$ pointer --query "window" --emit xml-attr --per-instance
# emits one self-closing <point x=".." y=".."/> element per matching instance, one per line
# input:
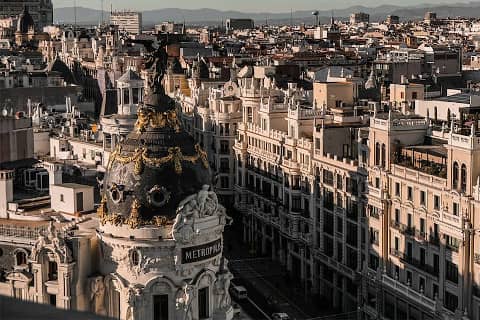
<point x="21" y="258"/>
<point x="160" y="307"/>
<point x="422" y="257"/>
<point x="135" y="92"/>
<point x="414" y="95"/>
<point x="126" y="96"/>
<point x="374" y="236"/>
<point x="224" y="147"/>
<point x="436" y="264"/>
<point x="373" y="262"/>
<point x="435" y="290"/>
<point x="377" y="154"/>
<point x="451" y="301"/>
<point x="455" y="175"/>
<point x="409" y="253"/>
<point x="383" y="156"/>
<point x="452" y="243"/>
<point x="339" y="225"/>
<point x="456" y="209"/>
<point x="463" y="178"/>
<point x="397" y="244"/>
<point x="409" y="220"/>
<point x="436" y="202"/>
<point x="62" y="198"/>
<point x="339" y="252"/>
<point x="422" y="225"/>
<point x="410" y="193"/>
<point x="422" y="198"/>
<point x="451" y="271"/>
<point x="328" y="177"/>
<point x="397" y="189"/>
<point x="224" y="183"/>
<point x="328" y="223"/>
<point x="52" y="271"/>
<point x="224" y="165"/>
<point x="397" y="215"/>
<point x="203" y="303"/>
<point x="409" y="278"/>
<point x="421" y="284"/>
<point x="339" y="182"/>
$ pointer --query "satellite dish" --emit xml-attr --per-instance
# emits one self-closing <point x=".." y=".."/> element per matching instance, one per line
<point x="4" y="112"/>
<point x="315" y="13"/>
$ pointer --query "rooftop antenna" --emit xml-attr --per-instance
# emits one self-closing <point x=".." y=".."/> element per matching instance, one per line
<point x="75" y="11"/>
<point x="291" y="17"/>
<point x="101" y="4"/>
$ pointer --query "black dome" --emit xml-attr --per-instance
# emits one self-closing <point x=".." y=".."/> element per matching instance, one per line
<point x="25" y="21"/>
<point x="154" y="168"/>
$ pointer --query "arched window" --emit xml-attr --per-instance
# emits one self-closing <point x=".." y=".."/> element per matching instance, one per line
<point x="463" y="178"/>
<point x="21" y="258"/>
<point x="377" y="154"/>
<point x="52" y="271"/>
<point x="383" y="155"/>
<point x="455" y="175"/>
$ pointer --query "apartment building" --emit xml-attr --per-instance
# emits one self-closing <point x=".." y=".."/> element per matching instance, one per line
<point x="422" y="204"/>
<point x="300" y="176"/>
<point x="127" y="21"/>
<point x="211" y="111"/>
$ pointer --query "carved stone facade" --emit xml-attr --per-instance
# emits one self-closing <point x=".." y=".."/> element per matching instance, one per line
<point x="147" y="270"/>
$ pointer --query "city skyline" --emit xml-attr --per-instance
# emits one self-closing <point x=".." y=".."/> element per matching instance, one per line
<point x="249" y="5"/>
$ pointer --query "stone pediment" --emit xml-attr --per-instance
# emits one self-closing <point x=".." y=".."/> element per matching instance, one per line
<point x="19" y="275"/>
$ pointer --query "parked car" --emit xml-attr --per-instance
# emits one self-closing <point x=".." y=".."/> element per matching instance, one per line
<point x="280" y="316"/>
<point x="238" y="292"/>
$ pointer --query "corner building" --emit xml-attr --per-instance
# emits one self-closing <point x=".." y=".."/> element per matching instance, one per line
<point x="423" y="192"/>
<point x="161" y="238"/>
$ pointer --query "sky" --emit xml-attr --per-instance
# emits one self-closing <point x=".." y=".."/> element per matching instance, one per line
<point x="243" y="5"/>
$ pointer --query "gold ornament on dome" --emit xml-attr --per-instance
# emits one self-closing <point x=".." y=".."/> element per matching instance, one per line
<point x="156" y="120"/>
<point x="102" y="210"/>
<point x="160" y="221"/>
<point x="134" y="220"/>
<point x="140" y="158"/>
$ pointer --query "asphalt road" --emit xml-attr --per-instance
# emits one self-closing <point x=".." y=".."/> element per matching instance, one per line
<point x="251" y="274"/>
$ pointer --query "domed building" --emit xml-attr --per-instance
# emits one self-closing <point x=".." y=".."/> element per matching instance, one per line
<point x="161" y="224"/>
<point x="25" y="28"/>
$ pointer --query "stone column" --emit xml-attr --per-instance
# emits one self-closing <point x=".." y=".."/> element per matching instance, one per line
<point x="6" y="191"/>
<point x="39" y="290"/>
<point x="65" y="283"/>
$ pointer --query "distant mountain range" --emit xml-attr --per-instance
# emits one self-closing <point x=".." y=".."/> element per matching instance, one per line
<point x="206" y="16"/>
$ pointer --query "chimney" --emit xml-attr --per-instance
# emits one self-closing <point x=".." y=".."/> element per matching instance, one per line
<point x="6" y="191"/>
<point x="54" y="174"/>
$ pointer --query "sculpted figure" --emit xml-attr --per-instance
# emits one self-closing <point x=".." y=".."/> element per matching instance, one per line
<point x="221" y="289"/>
<point x="184" y="300"/>
<point x="131" y="303"/>
<point x="97" y="296"/>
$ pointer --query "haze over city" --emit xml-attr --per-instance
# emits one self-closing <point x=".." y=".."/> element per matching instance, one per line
<point x="247" y="5"/>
